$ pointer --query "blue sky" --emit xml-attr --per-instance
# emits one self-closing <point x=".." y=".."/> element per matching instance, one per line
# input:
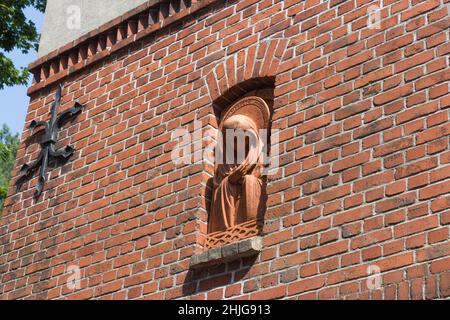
<point x="14" y="100"/>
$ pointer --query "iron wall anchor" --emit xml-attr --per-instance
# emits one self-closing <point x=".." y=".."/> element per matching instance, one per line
<point x="48" y="142"/>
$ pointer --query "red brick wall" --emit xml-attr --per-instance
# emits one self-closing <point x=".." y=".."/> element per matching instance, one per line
<point x="363" y="179"/>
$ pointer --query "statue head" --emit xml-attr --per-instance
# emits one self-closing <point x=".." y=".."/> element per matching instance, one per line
<point x="240" y="135"/>
<point x="240" y="128"/>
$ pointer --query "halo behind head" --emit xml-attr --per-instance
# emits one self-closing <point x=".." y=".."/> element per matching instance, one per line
<point x="253" y="107"/>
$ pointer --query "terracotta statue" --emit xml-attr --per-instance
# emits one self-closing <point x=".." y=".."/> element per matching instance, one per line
<point x="238" y="185"/>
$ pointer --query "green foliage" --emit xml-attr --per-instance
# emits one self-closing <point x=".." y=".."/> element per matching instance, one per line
<point x="16" y="32"/>
<point x="8" y="148"/>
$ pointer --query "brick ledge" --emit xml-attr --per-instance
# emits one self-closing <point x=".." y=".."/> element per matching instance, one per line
<point x="244" y="248"/>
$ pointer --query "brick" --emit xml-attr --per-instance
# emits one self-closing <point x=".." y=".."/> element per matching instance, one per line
<point x="434" y="190"/>
<point x="331" y="194"/>
<point x="332" y="142"/>
<point x="306" y="285"/>
<point x="272" y="293"/>
<point x="419" y="9"/>
<point x="396" y="202"/>
<point x="394" y="44"/>
<point x="393" y="94"/>
<point x="416" y="226"/>
<point x="393" y="147"/>
<point x="373" y="181"/>
<point x="351" y="161"/>
<point x="373" y="76"/>
<point x="433" y="134"/>
<point x="397" y="261"/>
<point x="433" y="79"/>
<point x="352" y="110"/>
<point x="329" y="250"/>
<point x="438" y="235"/>
<point x="415" y="168"/>
<point x="374" y="127"/>
<point x="440" y="265"/>
<point x="433" y="252"/>
<point x="416" y="112"/>
<point x="354" y="60"/>
<point x="413" y="61"/>
<point x="440" y="204"/>
<point x="371" y="238"/>
<point x="352" y="215"/>
<point x="346" y="274"/>
<point x="306" y="228"/>
<point x="314" y="124"/>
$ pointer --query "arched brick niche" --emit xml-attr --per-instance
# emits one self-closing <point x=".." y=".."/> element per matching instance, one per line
<point x="249" y="72"/>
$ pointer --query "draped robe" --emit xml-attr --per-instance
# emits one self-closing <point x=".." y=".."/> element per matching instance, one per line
<point x="235" y="203"/>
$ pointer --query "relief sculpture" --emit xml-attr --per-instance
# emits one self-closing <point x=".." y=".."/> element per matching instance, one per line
<point x="238" y="199"/>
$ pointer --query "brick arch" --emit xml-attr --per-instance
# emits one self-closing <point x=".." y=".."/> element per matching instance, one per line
<point x="255" y="65"/>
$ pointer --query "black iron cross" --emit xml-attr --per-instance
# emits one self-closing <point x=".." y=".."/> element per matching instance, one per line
<point x="48" y="142"/>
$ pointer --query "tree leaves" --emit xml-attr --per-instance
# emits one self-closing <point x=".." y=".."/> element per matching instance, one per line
<point x="3" y="152"/>
<point x="10" y="75"/>
<point x="16" y="32"/>
<point x="8" y="148"/>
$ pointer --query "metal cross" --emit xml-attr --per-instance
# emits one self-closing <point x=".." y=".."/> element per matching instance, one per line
<point x="48" y="142"/>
